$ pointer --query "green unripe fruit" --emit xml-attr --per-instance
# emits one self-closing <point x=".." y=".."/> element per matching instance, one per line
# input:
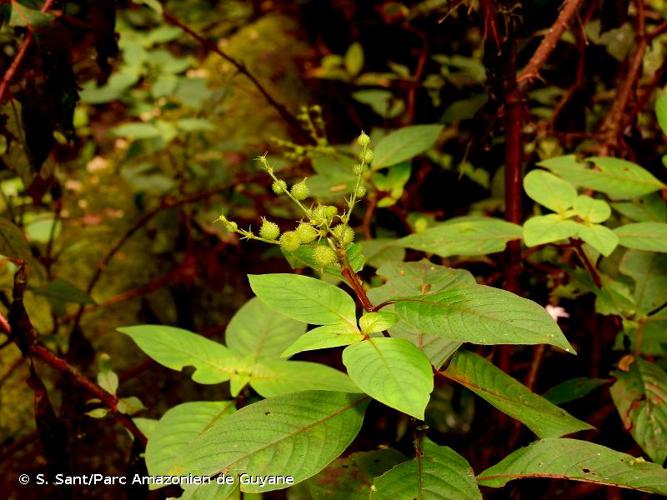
<point x="361" y="191"/>
<point x="343" y="233"/>
<point x="306" y="233"/>
<point x="231" y="226"/>
<point x="330" y="211"/>
<point x="363" y="140"/>
<point x="279" y="187"/>
<point x="359" y="169"/>
<point x="324" y="256"/>
<point x="290" y="241"/>
<point x="368" y="156"/>
<point x="300" y="190"/>
<point x="269" y="230"/>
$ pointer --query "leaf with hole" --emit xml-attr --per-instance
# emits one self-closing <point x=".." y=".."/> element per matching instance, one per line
<point x="578" y="461"/>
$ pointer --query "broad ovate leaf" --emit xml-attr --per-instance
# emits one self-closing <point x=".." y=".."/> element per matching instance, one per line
<point x="649" y="236"/>
<point x="304" y="299"/>
<point x="541" y="416"/>
<point x="176" y="348"/>
<point x="275" y="377"/>
<point x="482" y="315"/>
<point x="437" y="473"/>
<point x="176" y="430"/>
<point x="543" y="229"/>
<point x="591" y="210"/>
<point x="258" y="331"/>
<point x="640" y="395"/>
<point x="549" y="190"/>
<point x="404" y="144"/>
<point x="601" y="238"/>
<point x="297" y="435"/>
<point x="578" y="461"/>
<point x="471" y="236"/>
<point x="324" y="337"/>
<point x="392" y="371"/>
<point x="620" y="179"/>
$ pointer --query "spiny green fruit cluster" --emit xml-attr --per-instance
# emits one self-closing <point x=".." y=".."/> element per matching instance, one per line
<point x="306" y="232"/>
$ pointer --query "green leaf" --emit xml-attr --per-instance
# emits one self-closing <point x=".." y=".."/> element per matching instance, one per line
<point x="406" y="279"/>
<point x="275" y="377"/>
<point x="437" y="473"/>
<point x="620" y="179"/>
<point x="176" y="348"/>
<point x="640" y="396"/>
<point x="380" y="251"/>
<point x="137" y="131"/>
<point x="195" y="124"/>
<point x="482" y="315"/>
<point x="650" y="236"/>
<point x="260" y="332"/>
<point x="650" y="208"/>
<point x="350" y="478"/>
<point x="591" y="210"/>
<point x="175" y="431"/>
<point x="392" y="371"/>
<point x="64" y="291"/>
<point x="549" y="190"/>
<point x="661" y="111"/>
<point x="22" y="16"/>
<point x="547" y="229"/>
<point x="578" y="461"/>
<point x="601" y="238"/>
<point x="376" y="322"/>
<point x="573" y="389"/>
<point x="304" y="299"/>
<point x="511" y="397"/>
<point x="354" y="59"/>
<point x="324" y="337"/>
<point x="13" y="242"/>
<point x="404" y="144"/>
<point x="464" y="237"/>
<point x="649" y="272"/>
<point x="296" y="434"/>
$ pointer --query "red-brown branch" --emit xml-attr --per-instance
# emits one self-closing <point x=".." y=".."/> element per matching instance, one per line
<point x="39" y="351"/>
<point x="532" y="70"/>
<point x="20" y="55"/>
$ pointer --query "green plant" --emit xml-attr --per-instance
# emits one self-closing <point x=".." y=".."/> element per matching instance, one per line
<point x="411" y="333"/>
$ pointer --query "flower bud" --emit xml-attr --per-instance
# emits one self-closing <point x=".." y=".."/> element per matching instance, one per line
<point x="363" y="140"/>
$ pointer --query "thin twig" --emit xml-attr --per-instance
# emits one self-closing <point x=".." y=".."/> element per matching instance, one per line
<point x="20" y="55"/>
<point x="532" y="70"/>
<point x="578" y="246"/>
<point x="40" y="352"/>
<point x="288" y="117"/>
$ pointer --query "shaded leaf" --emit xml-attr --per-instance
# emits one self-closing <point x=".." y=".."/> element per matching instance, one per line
<point x="404" y="144"/>
<point x="511" y="397"/>
<point x="578" y="461"/>
<point x="650" y="236"/>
